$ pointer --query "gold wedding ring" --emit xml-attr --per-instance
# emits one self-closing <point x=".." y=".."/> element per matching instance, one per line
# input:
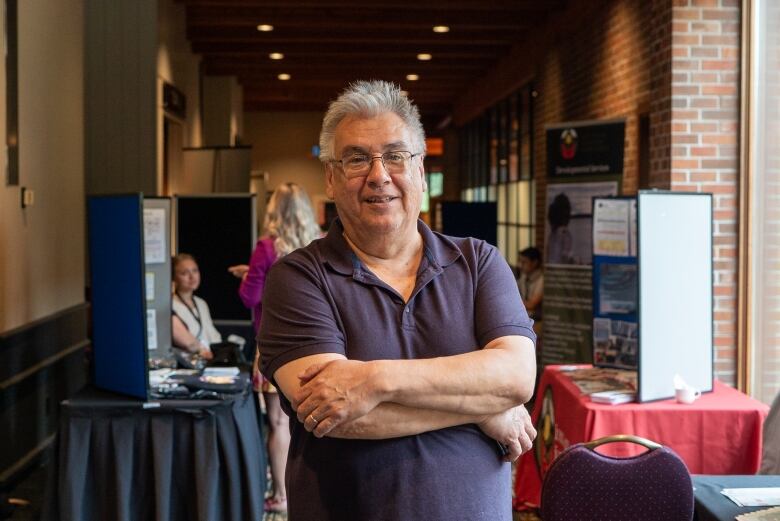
<point x="314" y="419"/>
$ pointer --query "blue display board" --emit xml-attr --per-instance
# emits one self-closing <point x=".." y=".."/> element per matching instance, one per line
<point x="116" y="260"/>
<point x="615" y="283"/>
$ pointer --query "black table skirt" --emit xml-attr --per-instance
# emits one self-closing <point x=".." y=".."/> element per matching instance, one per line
<point x="183" y="460"/>
<point x="711" y="505"/>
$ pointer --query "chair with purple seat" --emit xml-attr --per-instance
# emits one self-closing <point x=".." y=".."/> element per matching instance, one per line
<point x="583" y="484"/>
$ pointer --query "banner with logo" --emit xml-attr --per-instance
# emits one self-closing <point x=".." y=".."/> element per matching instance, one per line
<point x="584" y="160"/>
<point x="567" y="328"/>
<point x="585" y="148"/>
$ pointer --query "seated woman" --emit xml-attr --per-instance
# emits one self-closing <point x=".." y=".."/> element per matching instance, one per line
<point x="193" y="329"/>
<point x="531" y="285"/>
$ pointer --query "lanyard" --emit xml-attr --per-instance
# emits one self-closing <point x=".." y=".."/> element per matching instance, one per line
<point x="194" y="312"/>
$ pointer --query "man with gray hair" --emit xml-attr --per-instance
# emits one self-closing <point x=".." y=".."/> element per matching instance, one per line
<point x="405" y="355"/>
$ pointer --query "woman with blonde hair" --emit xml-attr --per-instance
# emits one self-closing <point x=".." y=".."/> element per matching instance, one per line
<point x="193" y="329"/>
<point x="289" y="224"/>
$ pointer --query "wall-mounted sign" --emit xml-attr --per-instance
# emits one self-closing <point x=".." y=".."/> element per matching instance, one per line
<point x="585" y="148"/>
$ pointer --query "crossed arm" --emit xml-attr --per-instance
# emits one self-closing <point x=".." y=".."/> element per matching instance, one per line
<point x="342" y="398"/>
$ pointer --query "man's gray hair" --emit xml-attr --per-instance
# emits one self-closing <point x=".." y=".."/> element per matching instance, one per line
<point x="368" y="99"/>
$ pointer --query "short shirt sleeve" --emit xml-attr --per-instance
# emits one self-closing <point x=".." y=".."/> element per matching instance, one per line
<point x="498" y="308"/>
<point x="299" y="318"/>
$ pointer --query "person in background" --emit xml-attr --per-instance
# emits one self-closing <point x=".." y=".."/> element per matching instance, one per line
<point x="405" y="355"/>
<point x="193" y="329"/>
<point x="531" y="281"/>
<point x="560" y="244"/>
<point x="289" y="224"/>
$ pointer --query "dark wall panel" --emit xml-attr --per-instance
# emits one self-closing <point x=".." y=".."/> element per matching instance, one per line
<point x="41" y="364"/>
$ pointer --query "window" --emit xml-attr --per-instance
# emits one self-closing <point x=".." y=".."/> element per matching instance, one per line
<point x="760" y="286"/>
<point x="496" y="165"/>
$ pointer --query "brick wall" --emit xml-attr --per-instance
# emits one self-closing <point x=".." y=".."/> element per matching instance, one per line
<point x="704" y="142"/>
<point x="599" y="70"/>
<point x="676" y="61"/>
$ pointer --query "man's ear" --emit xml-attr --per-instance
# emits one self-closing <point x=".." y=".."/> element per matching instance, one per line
<point x="422" y="174"/>
<point x="329" y="181"/>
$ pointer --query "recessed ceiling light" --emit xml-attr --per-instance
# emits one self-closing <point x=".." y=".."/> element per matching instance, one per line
<point x="276" y="56"/>
<point x="424" y="57"/>
<point x="441" y="29"/>
<point x="284" y="76"/>
<point x="264" y="28"/>
<point x="412" y="77"/>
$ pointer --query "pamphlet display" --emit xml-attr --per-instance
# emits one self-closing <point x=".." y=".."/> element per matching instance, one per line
<point x="615" y="332"/>
<point x="157" y="277"/>
<point x="568" y="282"/>
<point x="584" y="160"/>
<point x="652" y="289"/>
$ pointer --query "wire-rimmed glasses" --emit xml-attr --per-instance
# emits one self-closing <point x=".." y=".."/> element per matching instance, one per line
<point x="358" y="164"/>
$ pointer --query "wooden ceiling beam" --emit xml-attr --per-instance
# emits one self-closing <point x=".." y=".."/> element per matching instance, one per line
<point x="245" y="33"/>
<point x="353" y="55"/>
<point x="326" y="88"/>
<point x="470" y="5"/>
<point x="324" y="67"/>
<point x="329" y="43"/>
<point x="315" y="47"/>
<point x="368" y="16"/>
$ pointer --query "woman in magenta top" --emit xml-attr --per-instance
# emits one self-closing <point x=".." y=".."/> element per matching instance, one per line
<point x="289" y="224"/>
<point x="253" y="279"/>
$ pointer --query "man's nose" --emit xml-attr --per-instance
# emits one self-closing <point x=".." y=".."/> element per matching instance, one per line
<point x="377" y="174"/>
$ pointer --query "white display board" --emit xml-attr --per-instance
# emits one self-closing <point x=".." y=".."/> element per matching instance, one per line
<point x="675" y="292"/>
<point x="157" y="275"/>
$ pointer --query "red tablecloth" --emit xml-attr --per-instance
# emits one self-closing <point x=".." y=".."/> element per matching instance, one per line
<point x="720" y="433"/>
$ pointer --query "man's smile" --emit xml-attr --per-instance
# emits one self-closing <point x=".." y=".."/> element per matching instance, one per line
<point x="380" y="199"/>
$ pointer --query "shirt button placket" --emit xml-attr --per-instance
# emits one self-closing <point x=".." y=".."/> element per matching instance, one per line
<point x="407" y="316"/>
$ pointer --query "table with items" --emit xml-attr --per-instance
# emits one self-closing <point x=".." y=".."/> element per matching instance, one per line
<point x="720" y="433"/>
<point x="122" y="458"/>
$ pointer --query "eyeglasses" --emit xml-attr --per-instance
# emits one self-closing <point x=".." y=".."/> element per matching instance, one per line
<point x="358" y="165"/>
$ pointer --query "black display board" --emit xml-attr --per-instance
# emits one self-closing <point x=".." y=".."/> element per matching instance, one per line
<point x="477" y="220"/>
<point x="219" y="231"/>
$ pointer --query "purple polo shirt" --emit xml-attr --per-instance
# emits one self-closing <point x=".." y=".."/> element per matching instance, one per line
<point x="321" y="299"/>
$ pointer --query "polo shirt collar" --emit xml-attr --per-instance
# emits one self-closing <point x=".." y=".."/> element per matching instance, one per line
<point x="439" y="250"/>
